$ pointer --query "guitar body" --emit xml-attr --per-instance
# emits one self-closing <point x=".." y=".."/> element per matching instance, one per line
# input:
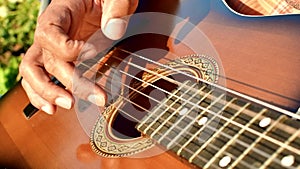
<point x="259" y="56"/>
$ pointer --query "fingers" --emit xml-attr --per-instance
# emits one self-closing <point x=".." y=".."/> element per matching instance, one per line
<point x="42" y="92"/>
<point x="114" y="21"/>
<point x="55" y="29"/>
<point x="64" y="25"/>
<point x="60" y="36"/>
<point x="36" y="100"/>
<point x="79" y="86"/>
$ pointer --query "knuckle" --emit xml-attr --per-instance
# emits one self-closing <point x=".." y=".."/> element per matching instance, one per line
<point x="40" y="34"/>
<point x="67" y="55"/>
<point x="73" y="47"/>
<point x="50" y="65"/>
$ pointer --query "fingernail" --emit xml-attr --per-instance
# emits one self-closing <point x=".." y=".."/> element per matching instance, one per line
<point x="115" y="28"/>
<point x="47" y="109"/>
<point x="63" y="102"/>
<point x="96" y="99"/>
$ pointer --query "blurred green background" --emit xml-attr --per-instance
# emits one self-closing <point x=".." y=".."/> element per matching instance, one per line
<point x="17" y="25"/>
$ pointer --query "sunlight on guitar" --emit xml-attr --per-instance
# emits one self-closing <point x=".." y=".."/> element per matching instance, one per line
<point x="265" y="7"/>
<point x="191" y="85"/>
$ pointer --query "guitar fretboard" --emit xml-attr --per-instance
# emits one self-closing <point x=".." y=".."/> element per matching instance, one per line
<point x="212" y="129"/>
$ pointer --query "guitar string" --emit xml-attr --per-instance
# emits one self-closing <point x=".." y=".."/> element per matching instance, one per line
<point x="278" y="142"/>
<point x="190" y="134"/>
<point x="227" y="78"/>
<point x="163" y="77"/>
<point x="147" y="110"/>
<point x="176" y="126"/>
<point x="286" y="112"/>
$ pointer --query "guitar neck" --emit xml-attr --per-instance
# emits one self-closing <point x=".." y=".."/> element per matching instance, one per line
<point x="211" y="129"/>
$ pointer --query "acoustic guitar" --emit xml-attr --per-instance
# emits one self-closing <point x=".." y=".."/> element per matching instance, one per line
<point x="191" y="85"/>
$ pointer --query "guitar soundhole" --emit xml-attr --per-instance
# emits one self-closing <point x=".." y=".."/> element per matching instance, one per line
<point x="142" y="102"/>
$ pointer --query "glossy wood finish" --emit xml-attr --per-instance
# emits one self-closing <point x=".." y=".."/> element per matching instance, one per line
<point x="262" y="53"/>
<point x="55" y="141"/>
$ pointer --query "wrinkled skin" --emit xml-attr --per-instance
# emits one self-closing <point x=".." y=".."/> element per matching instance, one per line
<point x="61" y="33"/>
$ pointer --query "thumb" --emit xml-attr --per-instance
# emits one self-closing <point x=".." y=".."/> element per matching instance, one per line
<point x="114" y="18"/>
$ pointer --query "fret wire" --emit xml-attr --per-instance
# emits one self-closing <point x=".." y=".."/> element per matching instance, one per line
<point x="216" y="148"/>
<point x="168" y="79"/>
<point x="229" y="137"/>
<point x="229" y="142"/>
<point x="198" y="132"/>
<point x="242" y="143"/>
<point x="207" y="95"/>
<point x="216" y="157"/>
<point x="142" y="107"/>
<point x="202" y="99"/>
<point x="164" y="77"/>
<point x="235" y="123"/>
<point x="204" y="158"/>
<point x="294" y="136"/>
<point x="260" y="102"/>
<point x="156" y="74"/>
<point x="156" y="109"/>
<point x="237" y="140"/>
<point x="227" y="154"/>
<point x="253" y="144"/>
<point x="197" y="157"/>
<point x="208" y="141"/>
<point x="174" y="112"/>
<point x="200" y="90"/>
<point x="168" y="107"/>
<point x="186" y="114"/>
<point x="281" y="125"/>
<point x="194" y="119"/>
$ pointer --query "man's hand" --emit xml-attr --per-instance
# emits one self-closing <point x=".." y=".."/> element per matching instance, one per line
<point x="61" y="33"/>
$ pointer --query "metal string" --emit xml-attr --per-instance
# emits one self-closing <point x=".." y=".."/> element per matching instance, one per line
<point x="142" y="107"/>
<point x="189" y="134"/>
<point x="204" y="109"/>
<point x="288" y="113"/>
